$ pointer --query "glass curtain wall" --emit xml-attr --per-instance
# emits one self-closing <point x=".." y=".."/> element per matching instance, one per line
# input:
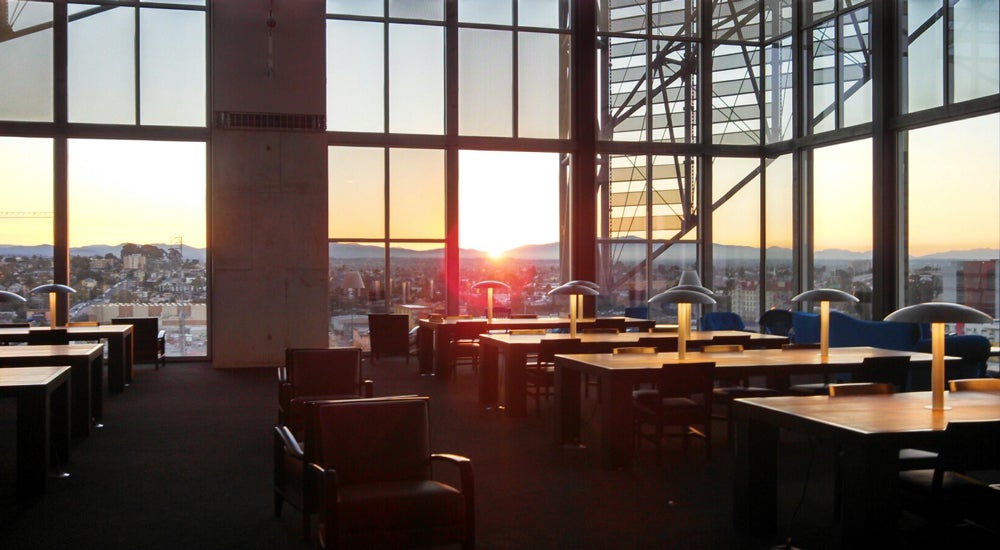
<point x="127" y="209"/>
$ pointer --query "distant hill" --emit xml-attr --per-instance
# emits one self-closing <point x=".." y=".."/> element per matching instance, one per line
<point x="190" y="252"/>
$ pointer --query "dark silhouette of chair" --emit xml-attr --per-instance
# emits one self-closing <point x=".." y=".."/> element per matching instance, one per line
<point x="389" y="335"/>
<point x="775" y="321"/>
<point x="148" y="341"/>
<point x="722" y="320"/>
<point x="540" y="376"/>
<point x="637" y="312"/>
<point x="48" y="337"/>
<point x="860" y="388"/>
<point x="500" y="312"/>
<point x="310" y="375"/>
<point x="610" y="322"/>
<point x="662" y="344"/>
<point x="524" y="316"/>
<point x="683" y="399"/>
<point x="951" y="491"/>
<point x="889" y="369"/>
<point x="732" y="387"/>
<point x="376" y="486"/>
<point x="465" y="344"/>
<point x="974" y="384"/>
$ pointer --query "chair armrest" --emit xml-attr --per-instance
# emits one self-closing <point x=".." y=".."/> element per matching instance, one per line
<point x="368" y="387"/>
<point x="282" y="374"/>
<point x="285" y="394"/>
<point x="292" y="446"/>
<point x="326" y="494"/>
<point x="466" y="479"/>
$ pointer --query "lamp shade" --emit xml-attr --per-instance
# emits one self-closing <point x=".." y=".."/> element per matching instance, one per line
<point x="11" y="297"/>
<point x="53" y="288"/>
<point x="352" y="279"/>
<point x="677" y="295"/>
<point x="584" y="282"/>
<point x="691" y="281"/>
<point x="491" y="284"/>
<point x="825" y="295"/>
<point x="938" y="312"/>
<point x="574" y="288"/>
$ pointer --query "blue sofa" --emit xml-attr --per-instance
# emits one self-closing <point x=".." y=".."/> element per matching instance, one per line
<point x="847" y="331"/>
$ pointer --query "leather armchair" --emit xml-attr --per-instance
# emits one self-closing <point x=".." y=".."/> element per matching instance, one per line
<point x="373" y="470"/>
<point x="318" y="373"/>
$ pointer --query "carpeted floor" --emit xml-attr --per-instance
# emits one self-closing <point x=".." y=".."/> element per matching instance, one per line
<point x="184" y="461"/>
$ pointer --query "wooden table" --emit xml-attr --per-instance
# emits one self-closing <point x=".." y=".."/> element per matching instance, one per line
<point x="118" y="337"/>
<point x="618" y="374"/>
<point x="868" y="430"/>
<point x="43" y="417"/>
<point x="503" y="358"/>
<point x="434" y="337"/>
<point x="86" y="363"/>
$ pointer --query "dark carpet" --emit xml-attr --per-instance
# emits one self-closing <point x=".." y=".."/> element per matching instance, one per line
<point x="184" y="461"/>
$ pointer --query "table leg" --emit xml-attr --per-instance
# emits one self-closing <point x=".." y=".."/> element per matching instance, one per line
<point x="488" y="374"/>
<point x="129" y="350"/>
<point x="97" y="390"/>
<point x="617" y="430"/>
<point x="60" y="417"/>
<point x="442" y="352"/>
<point x="33" y="439"/>
<point x="513" y="377"/>
<point x="116" y="365"/>
<point x="567" y="405"/>
<point x="425" y="350"/>
<point x="869" y="512"/>
<point x="81" y="386"/>
<point x="755" y="471"/>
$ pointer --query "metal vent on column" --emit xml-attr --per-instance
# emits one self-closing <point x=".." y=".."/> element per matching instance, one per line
<point x="233" y="120"/>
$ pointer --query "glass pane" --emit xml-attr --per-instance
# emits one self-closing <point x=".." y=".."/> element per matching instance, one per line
<point x="543" y="87"/>
<point x="178" y="2"/>
<point x="496" y="12"/>
<point x="542" y="13"/>
<point x="417" y="279"/>
<point x="778" y="103"/>
<point x="922" y="46"/>
<point x="416" y="79"/>
<point x="26" y="60"/>
<point x="736" y="237"/>
<point x="855" y="81"/>
<point x="777" y="18"/>
<point x="102" y="65"/>
<point x="673" y="104"/>
<point x="627" y="90"/>
<point x="814" y="10"/>
<point x="735" y="103"/>
<point x="669" y="261"/>
<point x="172" y="67"/>
<point x="736" y="20"/>
<point x="354" y="76"/>
<point x="674" y="209"/>
<point x="494" y="187"/>
<point x="432" y="10"/>
<point x="354" y="7"/>
<point x="357" y="192"/>
<point x="629" y="16"/>
<point x="953" y="170"/>
<point x="622" y="277"/>
<point x="674" y="17"/>
<point x="779" y="285"/>
<point x="349" y="306"/>
<point x="977" y="48"/>
<point x="416" y="193"/>
<point x="823" y="78"/>
<point x="148" y="259"/>
<point x="842" y="222"/>
<point x="485" y="83"/>
<point x="26" y="225"/>
<point x="627" y="197"/>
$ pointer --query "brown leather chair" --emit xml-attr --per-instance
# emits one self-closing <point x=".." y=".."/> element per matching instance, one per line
<point x="389" y="334"/>
<point x="376" y="488"/>
<point x="683" y="398"/>
<point x="318" y="373"/>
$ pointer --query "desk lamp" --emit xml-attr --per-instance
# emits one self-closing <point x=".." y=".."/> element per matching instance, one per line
<point x="489" y="286"/>
<point x="579" y="297"/>
<point x="52" y="289"/>
<point x="824" y="296"/>
<point x="937" y="314"/>
<point x="683" y="297"/>
<point x="574" y="289"/>
<point x="691" y="281"/>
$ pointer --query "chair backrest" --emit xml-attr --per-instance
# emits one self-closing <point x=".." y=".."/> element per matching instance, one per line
<point x="548" y="348"/>
<point x="324" y="371"/>
<point x="610" y="322"/>
<point x="860" y="388"/>
<point x="499" y="312"/>
<point x="892" y="370"/>
<point x="470" y="330"/>
<point x="82" y="324"/>
<point x="524" y="331"/>
<point x="975" y="384"/>
<point x="49" y="337"/>
<point x="374" y="440"/>
<point x="599" y="330"/>
<point x="389" y="333"/>
<point x="969" y="446"/>
<point x="144" y="336"/>
<point x="687" y="379"/>
<point x="775" y="321"/>
<point x="722" y="320"/>
<point x="524" y="316"/>
<point x="731" y="339"/>
<point x="662" y="345"/>
<point x="626" y="350"/>
<point x="722" y="348"/>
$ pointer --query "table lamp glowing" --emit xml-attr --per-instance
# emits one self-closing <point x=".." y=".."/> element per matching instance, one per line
<point x="683" y="297"/>
<point x="574" y="289"/>
<point x="691" y="281"/>
<point x="579" y="297"/>
<point x="489" y="286"/>
<point x="824" y="296"/>
<point x="52" y="289"/>
<point x="937" y="314"/>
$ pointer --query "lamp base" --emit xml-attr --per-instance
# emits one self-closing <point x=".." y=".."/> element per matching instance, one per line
<point x="933" y="408"/>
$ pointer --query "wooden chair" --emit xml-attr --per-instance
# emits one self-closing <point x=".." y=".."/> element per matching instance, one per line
<point x="389" y="334"/>
<point x="627" y="350"/>
<point x="661" y="343"/>
<point x="148" y="341"/>
<point x="610" y="322"/>
<point x="890" y="369"/>
<point x="524" y="316"/>
<point x="860" y="388"/>
<point x="318" y="373"/>
<point x="540" y="376"/>
<point x="465" y="345"/>
<point x="376" y="487"/>
<point x="732" y="388"/>
<point x="682" y="399"/>
<point x="48" y="337"/>
<point x="974" y="384"/>
<point x="525" y="331"/>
